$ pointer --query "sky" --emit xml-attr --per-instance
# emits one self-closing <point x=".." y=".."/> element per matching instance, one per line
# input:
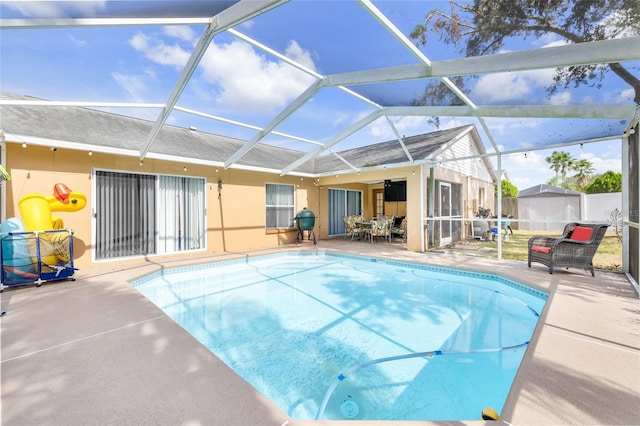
<point x="238" y="82"/>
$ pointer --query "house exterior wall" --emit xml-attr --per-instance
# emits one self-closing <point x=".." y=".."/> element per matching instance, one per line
<point x="236" y="214"/>
<point x="471" y="185"/>
<point x="357" y="181"/>
<point x="235" y="220"/>
<point x="466" y="147"/>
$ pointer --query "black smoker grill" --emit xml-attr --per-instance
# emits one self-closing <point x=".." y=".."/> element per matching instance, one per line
<point x="305" y="221"/>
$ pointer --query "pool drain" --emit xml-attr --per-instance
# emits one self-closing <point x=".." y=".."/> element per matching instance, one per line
<point x="349" y="408"/>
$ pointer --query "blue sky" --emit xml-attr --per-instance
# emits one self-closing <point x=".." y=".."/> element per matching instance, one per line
<point x="238" y="82"/>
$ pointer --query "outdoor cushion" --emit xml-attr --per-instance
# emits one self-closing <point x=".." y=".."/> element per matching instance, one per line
<point x="581" y="233"/>
<point x="541" y="249"/>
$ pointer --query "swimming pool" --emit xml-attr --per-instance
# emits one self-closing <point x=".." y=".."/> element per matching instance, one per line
<point x="335" y="336"/>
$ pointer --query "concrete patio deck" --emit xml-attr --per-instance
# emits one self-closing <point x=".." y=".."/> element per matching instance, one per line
<point x="96" y="352"/>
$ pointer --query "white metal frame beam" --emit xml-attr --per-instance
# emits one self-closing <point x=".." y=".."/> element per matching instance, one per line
<point x="518" y="111"/>
<point x="595" y="52"/>
<point x="29" y="24"/>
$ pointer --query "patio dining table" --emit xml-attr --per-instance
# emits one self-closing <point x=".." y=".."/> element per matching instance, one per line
<point x="366" y="226"/>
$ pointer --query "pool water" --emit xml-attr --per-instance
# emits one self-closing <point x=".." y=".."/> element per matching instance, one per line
<point x="302" y="327"/>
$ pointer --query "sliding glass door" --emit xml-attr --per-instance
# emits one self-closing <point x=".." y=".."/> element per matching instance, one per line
<point x="342" y="202"/>
<point x="139" y="214"/>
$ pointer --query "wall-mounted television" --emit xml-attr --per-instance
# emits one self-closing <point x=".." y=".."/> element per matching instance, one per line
<point x="395" y="191"/>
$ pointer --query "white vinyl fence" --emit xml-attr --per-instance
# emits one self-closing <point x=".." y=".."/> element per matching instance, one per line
<point x="552" y="213"/>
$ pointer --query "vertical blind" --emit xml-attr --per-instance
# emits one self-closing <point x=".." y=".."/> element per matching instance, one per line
<point x="342" y="202"/>
<point x="125" y="214"/>
<point x="138" y="214"/>
<point x="180" y="214"/>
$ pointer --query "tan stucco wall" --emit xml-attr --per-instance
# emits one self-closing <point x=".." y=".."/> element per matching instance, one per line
<point x="235" y="220"/>
<point x="367" y="182"/>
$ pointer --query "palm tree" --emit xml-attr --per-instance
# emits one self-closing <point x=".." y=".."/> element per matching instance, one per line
<point x="585" y="170"/>
<point x="561" y="162"/>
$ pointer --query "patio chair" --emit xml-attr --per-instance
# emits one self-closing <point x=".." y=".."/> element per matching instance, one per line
<point x="575" y="248"/>
<point x="399" y="229"/>
<point x="381" y="228"/>
<point x="353" y="225"/>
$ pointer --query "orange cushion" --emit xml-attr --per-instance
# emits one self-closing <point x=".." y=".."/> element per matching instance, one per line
<point x="541" y="249"/>
<point x="581" y="233"/>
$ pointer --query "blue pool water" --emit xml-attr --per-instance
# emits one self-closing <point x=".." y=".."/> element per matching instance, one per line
<point x="302" y="328"/>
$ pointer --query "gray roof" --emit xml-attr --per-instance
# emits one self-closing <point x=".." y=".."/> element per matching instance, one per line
<point x="543" y="190"/>
<point x="421" y="147"/>
<point x="98" y="128"/>
<point x="89" y="127"/>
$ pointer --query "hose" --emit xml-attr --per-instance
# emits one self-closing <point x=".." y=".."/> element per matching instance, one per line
<point x="429" y="354"/>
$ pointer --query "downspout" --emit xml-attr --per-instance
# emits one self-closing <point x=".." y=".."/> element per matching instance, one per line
<point x="3" y="193"/>
<point x="422" y="209"/>
<point x="499" y="207"/>
<point x="625" y="203"/>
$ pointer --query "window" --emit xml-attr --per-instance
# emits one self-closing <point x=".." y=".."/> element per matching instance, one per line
<point x="481" y="197"/>
<point x="138" y="214"/>
<point x="280" y="206"/>
<point x="379" y="203"/>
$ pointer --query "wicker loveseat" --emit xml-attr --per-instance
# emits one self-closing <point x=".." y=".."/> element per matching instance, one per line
<point x="575" y="248"/>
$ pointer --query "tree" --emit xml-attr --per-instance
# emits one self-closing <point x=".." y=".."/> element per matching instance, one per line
<point x="561" y="162"/>
<point x="585" y="170"/>
<point x="508" y="189"/>
<point x="609" y="181"/>
<point x="481" y="27"/>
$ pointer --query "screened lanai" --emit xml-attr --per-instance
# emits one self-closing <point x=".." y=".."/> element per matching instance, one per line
<point x="321" y="77"/>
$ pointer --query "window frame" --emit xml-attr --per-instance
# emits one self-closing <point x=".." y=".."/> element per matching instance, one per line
<point x="292" y="207"/>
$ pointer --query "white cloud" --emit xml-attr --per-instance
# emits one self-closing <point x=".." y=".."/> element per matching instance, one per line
<point x="139" y="42"/>
<point x="249" y="81"/>
<point x="182" y="32"/>
<point x="502" y="87"/>
<point x="406" y="126"/>
<point x="600" y="164"/>
<point x="233" y="74"/>
<point x="563" y="98"/>
<point x="452" y="122"/>
<point x="380" y="129"/>
<point x="135" y="86"/>
<point x="295" y="52"/>
<point x="626" y="95"/>
<point x="527" y="170"/>
<point x="76" y="41"/>
<point x="547" y="39"/>
<point x="159" y="52"/>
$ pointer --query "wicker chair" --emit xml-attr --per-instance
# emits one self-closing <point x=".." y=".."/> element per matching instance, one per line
<point x="575" y="248"/>
<point x="399" y="229"/>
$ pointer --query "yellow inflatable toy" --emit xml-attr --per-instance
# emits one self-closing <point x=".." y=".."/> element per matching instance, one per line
<point x="36" y="209"/>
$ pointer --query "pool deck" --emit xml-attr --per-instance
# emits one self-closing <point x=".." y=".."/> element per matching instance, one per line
<point x="96" y="352"/>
